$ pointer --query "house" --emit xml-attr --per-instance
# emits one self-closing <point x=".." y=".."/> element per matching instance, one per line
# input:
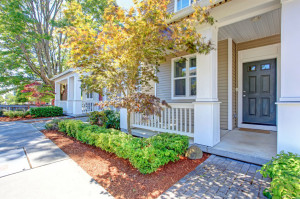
<point x="249" y="83"/>
<point x="242" y="100"/>
<point x="71" y="97"/>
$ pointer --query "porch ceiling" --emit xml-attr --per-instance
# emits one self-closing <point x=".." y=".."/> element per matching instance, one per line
<point x="264" y="25"/>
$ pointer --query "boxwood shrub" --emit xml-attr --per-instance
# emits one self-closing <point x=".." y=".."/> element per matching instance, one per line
<point x="284" y="170"/>
<point x="13" y="114"/>
<point x="48" y="111"/>
<point x="147" y="155"/>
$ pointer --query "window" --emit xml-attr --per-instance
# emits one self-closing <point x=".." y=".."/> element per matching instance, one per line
<point x="89" y="95"/>
<point x="180" y="4"/>
<point x="184" y="77"/>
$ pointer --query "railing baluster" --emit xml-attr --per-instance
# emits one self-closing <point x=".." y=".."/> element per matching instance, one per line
<point x="173" y="119"/>
<point x="169" y="118"/>
<point x="177" y="122"/>
<point x="181" y="122"/>
<point x="190" y="120"/>
<point x="185" y="130"/>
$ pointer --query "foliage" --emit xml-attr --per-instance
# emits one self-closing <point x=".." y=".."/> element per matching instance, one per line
<point x="38" y="92"/>
<point x="48" y="111"/>
<point x="10" y="99"/>
<point x="125" y="53"/>
<point x="284" y="170"/>
<point x="31" y="42"/>
<point x="113" y="119"/>
<point x="106" y="118"/>
<point x="13" y="114"/>
<point x="52" y="125"/>
<point x="147" y="155"/>
<point x="97" y="117"/>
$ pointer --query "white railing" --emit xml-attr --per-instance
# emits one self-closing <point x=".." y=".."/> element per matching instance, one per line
<point x="89" y="106"/>
<point x="177" y="119"/>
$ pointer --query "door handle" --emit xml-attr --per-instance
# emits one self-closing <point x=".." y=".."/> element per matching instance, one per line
<point x="244" y="95"/>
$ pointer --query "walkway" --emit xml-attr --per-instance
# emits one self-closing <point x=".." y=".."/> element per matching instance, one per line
<point x="220" y="177"/>
<point x="32" y="166"/>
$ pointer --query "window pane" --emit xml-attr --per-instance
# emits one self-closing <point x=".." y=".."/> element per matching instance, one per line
<point x="179" y="4"/>
<point x="185" y="3"/>
<point x="193" y="66"/>
<point x="193" y="86"/>
<point x="266" y="67"/>
<point x="179" y="87"/>
<point x="180" y="69"/>
<point x="251" y="68"/>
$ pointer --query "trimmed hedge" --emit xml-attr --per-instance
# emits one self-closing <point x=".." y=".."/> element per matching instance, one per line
<point x="13" y="114"/>
<point x="48" y="111"/>
<point x="284" y="170"/>
<point x="147" y="155"/>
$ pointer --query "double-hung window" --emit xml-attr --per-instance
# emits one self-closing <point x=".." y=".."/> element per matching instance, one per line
<point x="180" y="4"/>
<point x="184" y="78"/>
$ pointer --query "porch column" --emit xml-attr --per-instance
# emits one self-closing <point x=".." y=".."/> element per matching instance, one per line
<point x="123" y="119"/>
<point x="289" y="103"/>
<point x="77" y="103"/>
<point x="57" y="94"/>
<point x="207" y="105"/>
<point x="70" y="94"/>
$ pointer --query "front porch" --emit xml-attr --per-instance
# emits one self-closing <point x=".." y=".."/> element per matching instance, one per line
<point x="211" y="94"/>
<point x="71" y="97"/>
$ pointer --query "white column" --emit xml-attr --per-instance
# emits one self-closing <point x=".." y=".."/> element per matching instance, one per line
<point x="57" y="93"/>
<point x="123" y="119"/>
<point x="70" y="92"/>
<point x="288" y="138"/>
<point x="207" y="106"/>
<point x="77" y="102"/>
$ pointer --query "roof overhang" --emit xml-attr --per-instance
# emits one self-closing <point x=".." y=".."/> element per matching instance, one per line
<point x="62" y="74"/>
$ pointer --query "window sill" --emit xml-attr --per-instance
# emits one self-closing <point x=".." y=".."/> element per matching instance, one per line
<point x="183" y="98"/>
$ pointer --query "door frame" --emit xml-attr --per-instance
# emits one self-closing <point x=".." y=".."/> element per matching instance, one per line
<point x="251" y="55"/>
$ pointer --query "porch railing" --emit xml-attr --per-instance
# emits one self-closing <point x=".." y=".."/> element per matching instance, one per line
<point x="89" y="106"/>
<point x="178" y="119"/>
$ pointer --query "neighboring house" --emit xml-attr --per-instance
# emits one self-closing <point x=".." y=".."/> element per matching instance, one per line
<point x="250" y="81"/>
<point x="71" y="97"/>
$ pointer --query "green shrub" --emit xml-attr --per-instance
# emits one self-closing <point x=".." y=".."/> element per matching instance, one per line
<point x="13" y="114"/>
<point x="97" y="117"/>
<point x="52" y="125"/>
<point x="113" y="119"/>
<point x="284" y="170"/>
<point x="49" y="111"/>
<point x="147" y="155"/>
<point x="107" y="118"/>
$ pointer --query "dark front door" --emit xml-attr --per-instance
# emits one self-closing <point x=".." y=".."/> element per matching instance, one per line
<point x="259" y="92"/>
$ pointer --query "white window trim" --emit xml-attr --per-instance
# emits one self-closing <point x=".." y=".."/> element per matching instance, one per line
<point x="187" y="78"/>
<point x="175" y="7"/>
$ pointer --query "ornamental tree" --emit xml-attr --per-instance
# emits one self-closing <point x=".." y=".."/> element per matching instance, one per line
<point x="38" y="93"/>
<point x="124" y="54"/>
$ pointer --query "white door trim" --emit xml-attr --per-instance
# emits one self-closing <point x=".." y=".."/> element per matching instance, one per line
<point x="257" y="54"/>
<point x="230" y="116"/>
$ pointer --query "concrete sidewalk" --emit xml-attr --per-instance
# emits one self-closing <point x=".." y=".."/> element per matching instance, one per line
<point x="32" y="166"/>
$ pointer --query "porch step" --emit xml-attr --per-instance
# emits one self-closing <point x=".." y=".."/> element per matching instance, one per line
<point x="234" y="155"/>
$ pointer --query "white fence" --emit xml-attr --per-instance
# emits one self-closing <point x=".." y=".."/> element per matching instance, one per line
<point x="89" y="106"/>
<point x="177" y="119"/>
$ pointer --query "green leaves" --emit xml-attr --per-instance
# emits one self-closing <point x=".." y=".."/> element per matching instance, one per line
<point x="147" y="155"/>
<point x="49" y="111"/>
<point x="284" y="169"/>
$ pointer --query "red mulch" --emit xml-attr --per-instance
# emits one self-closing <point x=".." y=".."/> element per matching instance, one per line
<point x="117" y="175"/>
<point x="28" y="117"/>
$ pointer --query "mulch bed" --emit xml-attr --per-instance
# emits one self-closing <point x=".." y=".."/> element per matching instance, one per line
<point x="28" y="117"/>
<point x="117" y="175"/>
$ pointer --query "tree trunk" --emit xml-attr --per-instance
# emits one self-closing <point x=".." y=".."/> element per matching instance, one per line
<point x="128" y="123"/>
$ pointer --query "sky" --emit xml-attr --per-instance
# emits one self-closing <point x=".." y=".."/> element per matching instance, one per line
<point x="125" y="3"/>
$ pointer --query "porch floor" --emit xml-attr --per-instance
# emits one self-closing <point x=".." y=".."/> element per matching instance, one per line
<point x="257" y="148"/>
